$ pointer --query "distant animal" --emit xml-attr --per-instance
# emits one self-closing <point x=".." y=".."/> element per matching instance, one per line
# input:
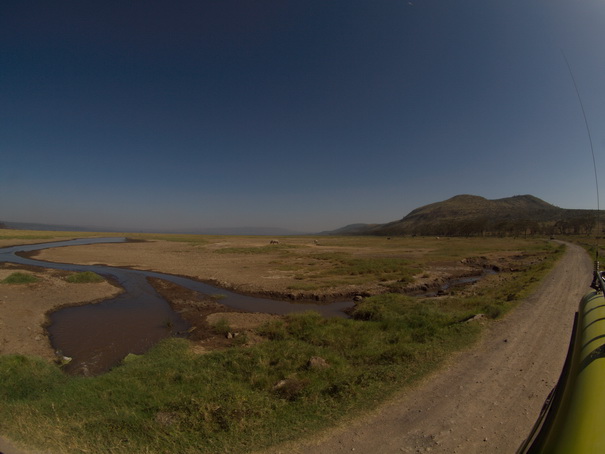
<point x="316" y="242"/>
<point x="273" y="242"/>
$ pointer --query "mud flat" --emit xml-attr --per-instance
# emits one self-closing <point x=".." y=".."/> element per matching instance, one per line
<point x="24" y="308"/>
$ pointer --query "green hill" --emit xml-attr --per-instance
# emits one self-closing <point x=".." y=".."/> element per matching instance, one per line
<point x="473" y="215"/>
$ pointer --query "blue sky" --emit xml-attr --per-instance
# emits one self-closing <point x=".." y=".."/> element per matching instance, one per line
<point x="306" y="115"/>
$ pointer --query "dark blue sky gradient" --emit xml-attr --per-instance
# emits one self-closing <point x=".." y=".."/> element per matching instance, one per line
<point x="307" y="115"/>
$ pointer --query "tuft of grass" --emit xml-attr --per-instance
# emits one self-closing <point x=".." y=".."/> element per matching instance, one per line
<point x="221" y="326"/>
<point x="84" y="277"/>
<point x="20" y="278"/>
<point x="27" y="378"/>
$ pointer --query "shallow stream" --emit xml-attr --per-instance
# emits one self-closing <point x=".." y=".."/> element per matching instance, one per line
<point x="98" y="336"/>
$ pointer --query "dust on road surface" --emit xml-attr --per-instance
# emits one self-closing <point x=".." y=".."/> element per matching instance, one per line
<point x="486" y="399"/>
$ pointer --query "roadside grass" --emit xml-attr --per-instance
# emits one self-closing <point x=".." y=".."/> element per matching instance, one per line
<point x="84" y="277"/>
<point x="458" y="248"/>
<point x="20" y="278"/>
<point x="245" y="399"/>
<point x="495" y="299"/>
<point x="589" y="243"/>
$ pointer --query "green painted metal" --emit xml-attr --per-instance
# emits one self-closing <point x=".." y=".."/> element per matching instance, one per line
<point x="575" y="420"/>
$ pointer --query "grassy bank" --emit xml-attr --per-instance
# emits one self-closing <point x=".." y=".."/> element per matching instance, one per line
<point x="310" y="372"/>
<point x="171" y="400"/>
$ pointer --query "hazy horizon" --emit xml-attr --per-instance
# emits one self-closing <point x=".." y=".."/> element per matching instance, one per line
<point x="219" y="230"/>
<point x="306" y="116"/>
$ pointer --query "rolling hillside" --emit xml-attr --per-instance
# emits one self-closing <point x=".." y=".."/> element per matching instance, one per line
<point x="474" y="215"/>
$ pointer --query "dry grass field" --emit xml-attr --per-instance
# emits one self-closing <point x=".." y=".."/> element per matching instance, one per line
<point x="311" y="268"/>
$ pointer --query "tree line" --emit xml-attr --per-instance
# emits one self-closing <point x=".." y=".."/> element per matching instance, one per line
<point x="584" y="225"/>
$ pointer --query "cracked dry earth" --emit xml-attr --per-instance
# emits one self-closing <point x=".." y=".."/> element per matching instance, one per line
<point x="485" y="399"/>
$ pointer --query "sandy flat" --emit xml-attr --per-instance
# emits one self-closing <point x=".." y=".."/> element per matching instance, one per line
<point x="23" y="309"/>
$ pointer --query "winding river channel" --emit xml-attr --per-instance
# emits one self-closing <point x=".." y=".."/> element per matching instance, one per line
<point x="98" y="336"/>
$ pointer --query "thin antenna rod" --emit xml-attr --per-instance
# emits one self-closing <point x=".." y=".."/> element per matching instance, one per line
<point x="594" y="162"/>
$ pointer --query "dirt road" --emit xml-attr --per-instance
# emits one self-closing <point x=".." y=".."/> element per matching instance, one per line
<point x="486" y="399"/>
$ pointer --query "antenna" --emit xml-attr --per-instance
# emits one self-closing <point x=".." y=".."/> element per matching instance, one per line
<point x="597" y="283"/>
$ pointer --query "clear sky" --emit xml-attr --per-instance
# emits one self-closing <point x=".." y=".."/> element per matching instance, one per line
<point x="302" y="114"/>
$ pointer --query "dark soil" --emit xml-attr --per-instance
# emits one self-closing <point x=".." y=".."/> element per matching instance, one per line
<point x="194" y="308"/>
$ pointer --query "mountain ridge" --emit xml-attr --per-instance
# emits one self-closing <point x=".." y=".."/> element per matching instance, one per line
<point x="467" y="214"/>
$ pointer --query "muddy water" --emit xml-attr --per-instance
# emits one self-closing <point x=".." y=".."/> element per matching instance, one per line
<point x="98" y="336"/>
<point x="460" y="282"/>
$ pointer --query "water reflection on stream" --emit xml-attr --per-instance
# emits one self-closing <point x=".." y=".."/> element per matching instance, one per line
<point x="98" y="336"/>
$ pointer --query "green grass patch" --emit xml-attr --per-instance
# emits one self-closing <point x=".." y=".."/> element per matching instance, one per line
<point x="221" y="326"/>
<point x="20" y="278"/>
<point x="85" y="277"/>
<point x="366" y="268"/>
<point x="496" y="300"/>
<point x="232" y="401"/>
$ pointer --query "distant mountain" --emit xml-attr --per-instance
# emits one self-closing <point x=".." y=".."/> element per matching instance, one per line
<point x="474" y="215"/>
<point x="351" y="229"/>
<point x="260" y="231"/>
